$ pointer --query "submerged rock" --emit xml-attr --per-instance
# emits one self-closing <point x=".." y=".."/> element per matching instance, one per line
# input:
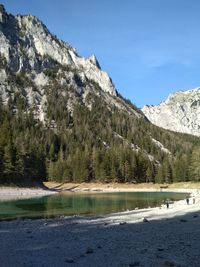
<point x="89" y="250"/>
<point x="122" y="223"/>
<point x="69" y="260"/>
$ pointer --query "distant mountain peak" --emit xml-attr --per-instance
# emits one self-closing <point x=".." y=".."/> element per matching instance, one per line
<point x="94" y="60"/>
<point x="180" y="112"/>
<point x="2" y="12"/>
<point x="2" y="9"/>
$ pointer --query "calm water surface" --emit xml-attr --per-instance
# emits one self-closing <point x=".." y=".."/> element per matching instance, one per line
<point x="82" y="203"/>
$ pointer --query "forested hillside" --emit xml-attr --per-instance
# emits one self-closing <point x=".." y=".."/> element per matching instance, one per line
<point x="102" y="144"/>
<point x="62" y="119"/>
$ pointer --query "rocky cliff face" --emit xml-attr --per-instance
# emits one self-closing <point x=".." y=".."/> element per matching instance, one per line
<point x="33" y="61"/>
<point x="180" y="112"/>
<point x="27" y="45"/>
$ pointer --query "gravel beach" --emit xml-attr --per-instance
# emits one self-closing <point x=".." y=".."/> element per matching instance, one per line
<point x="148" y="237"/>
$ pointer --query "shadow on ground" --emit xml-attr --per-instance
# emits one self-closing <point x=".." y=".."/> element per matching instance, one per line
<point x="85" y="241"/>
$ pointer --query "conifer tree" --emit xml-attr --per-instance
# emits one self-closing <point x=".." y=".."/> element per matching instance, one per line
<point x="9" y="160"/>
<point x="195" y="165"/>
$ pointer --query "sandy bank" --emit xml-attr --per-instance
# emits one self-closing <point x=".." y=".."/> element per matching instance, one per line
<point x="18" y="192"/>
<point x="127" y="187"/>
<point x="53" y="187"/>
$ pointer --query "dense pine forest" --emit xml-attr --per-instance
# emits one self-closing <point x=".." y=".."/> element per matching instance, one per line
<point x="101" y="144"/>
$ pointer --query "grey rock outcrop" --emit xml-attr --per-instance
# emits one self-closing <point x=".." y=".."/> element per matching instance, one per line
<point x="32" y="60"/>
<point x="180" y="112"/>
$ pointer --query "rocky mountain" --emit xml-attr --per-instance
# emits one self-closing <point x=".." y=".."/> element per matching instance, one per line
<point x="180" y="112"/>
<point x="28" y="49"/>
<point x="61" y="117"/>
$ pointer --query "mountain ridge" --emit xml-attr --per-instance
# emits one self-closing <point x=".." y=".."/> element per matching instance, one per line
<point x="30" y="38"/>
<point x="62" y="118"/>
<point x="180" y="112"/>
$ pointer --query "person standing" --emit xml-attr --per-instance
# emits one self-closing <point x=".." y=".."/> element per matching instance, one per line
<point x="187" y="200"/>
<point x="167" y="203"/>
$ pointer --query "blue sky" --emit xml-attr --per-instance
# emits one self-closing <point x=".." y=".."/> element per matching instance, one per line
<point x="149" y="48"/>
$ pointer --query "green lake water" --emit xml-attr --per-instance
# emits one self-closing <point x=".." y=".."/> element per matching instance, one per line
<point x="82" y="204"/>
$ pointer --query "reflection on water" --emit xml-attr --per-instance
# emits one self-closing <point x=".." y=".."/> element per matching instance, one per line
<point x="83" y="203"/>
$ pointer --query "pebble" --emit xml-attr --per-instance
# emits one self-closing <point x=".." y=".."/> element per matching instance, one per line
<point x="69" y="260"/>
<point x="89" y="250"/>
<point x="169" y="264"/>
<point x="134" y="264"/>
<point x="143" y="251"/>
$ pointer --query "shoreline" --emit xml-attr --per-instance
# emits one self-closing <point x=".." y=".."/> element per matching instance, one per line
<point x="147" y="237"/>
<point x="175" y="209"/>
<point x="126" y="187"/>
<point x="12" y="192"/>
<point x="144" y="237"/>
<point x="49" y="185"/>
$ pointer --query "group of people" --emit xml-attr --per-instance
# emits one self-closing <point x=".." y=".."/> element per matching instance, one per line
<point x="187" y="201"/>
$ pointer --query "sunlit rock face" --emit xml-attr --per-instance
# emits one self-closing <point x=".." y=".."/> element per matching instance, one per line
<point x="35" y="63"/>
<point x="28" y="46"/>
<point x="180" y="112"/>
